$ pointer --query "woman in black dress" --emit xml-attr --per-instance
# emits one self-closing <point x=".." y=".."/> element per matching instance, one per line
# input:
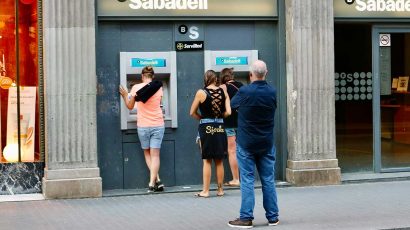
<point x="213" y="105"/>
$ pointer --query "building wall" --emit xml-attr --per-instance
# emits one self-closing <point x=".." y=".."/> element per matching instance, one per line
<point x="181" y="163"/>
<point x="70" y="99"/>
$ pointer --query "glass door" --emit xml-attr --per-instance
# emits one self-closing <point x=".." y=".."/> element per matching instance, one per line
<point x="391" y="65"/>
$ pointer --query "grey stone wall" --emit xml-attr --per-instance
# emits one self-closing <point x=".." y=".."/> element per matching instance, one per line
<point x="310" y="92"/>
<point x="70" y="98"/>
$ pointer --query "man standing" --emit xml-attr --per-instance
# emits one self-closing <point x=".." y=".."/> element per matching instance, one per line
<point x="256" y="105"/>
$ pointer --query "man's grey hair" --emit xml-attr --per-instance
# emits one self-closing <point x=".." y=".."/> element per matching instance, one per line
<point x="259" y="69"/>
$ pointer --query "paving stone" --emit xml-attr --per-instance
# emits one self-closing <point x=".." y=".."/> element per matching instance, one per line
<point x="381" y="205"/>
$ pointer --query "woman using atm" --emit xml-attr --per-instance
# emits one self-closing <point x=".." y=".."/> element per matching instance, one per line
<point x="150" y="121"/>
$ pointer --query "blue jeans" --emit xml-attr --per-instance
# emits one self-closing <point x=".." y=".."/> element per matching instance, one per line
<point x="265" y="164"/>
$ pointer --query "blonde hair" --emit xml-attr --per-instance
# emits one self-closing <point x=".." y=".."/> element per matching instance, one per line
<point x="148" y="71"/>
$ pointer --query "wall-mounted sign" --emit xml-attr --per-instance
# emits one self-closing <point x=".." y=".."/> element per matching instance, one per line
<point x="189" y="45"/>
<point x="187" y="8"/>
<point x="142" y="62"/>
<point x="189" y="32"/>
<point x="168" y="4"/>
<point x="231" y="61"/>
<point x="371" y="8"/>
<point x="182" y="29"/>
<point x="384" y="40"/>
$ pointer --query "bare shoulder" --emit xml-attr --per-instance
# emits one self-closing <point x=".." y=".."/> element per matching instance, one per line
<point x="200" y="94"/>
<point x="224" y="89"/>
<point x="137" y="87"/>
<point x="200" y="91"/>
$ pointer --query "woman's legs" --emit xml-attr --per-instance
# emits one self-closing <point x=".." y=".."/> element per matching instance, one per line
<point x="219" y="176"/>
<point x="151" y="139"/>
<point x="147" y="156"/>
<point x="154" y="168"/>
<point x="233" y="163"/>
<point x="206" y="177"/>
<point x="152" y="157"/>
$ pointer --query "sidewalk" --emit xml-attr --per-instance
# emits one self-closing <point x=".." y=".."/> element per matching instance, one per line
<point x="379" y="205"/>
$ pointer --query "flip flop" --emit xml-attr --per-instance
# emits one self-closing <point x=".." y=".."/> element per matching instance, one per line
<point x="220" y="195"/>
<point x="230" y="184"/>
<point x="198" y="195"/>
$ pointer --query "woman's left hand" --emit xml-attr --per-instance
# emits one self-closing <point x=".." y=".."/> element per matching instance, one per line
<point x="123" y="91"/>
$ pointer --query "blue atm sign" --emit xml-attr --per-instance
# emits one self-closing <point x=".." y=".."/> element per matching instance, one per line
<point x="142" y="62"/>
<point x="231" y="60"/>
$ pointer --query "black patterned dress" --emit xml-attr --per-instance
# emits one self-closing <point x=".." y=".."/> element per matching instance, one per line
<point x="214" y="143"/>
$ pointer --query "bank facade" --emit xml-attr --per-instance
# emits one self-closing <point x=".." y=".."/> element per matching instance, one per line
<point x="334" y="64"/>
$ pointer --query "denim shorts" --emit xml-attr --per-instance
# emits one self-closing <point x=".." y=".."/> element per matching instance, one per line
<point x="230" y="132"/>
<point x="151" y="137"/>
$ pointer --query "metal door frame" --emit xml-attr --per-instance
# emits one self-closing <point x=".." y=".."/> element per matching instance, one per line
<point x="376" y="30"/>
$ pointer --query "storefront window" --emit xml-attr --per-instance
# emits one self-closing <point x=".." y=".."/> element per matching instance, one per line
<point x="19" y="82"/>
<point x="354" y="90"/>
<point x="395" y="101"/>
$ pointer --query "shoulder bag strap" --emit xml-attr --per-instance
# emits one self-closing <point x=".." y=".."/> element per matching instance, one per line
<point x="232" y="85"/>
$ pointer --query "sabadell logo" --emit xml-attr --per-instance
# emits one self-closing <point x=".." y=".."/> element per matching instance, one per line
<point x="169" y="4"/>
<point x="381" y="5"/>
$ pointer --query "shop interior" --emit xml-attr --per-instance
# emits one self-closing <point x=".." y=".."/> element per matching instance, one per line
<point x="395" y="104"/>
<point x="354" y="99"/>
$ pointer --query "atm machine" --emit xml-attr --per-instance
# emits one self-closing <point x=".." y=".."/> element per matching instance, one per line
<point x="239" y="60"/>
<point x="164" y="63"/>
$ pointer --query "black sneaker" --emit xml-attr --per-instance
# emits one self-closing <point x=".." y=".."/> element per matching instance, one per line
<point x="159" y="186"/>
<point x="273" y="222"/>
<point x="238" y="223"/>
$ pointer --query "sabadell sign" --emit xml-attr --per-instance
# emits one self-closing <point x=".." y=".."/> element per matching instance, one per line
<point x="371" y="8"/>
<point x="187" y="8"/>
<point x="168" y="4"/>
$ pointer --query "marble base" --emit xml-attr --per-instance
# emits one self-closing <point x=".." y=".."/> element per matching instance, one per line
<point x="72" y="183"/>
<point x="21" y="178"/>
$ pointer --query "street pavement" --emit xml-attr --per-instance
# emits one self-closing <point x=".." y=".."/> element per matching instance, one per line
<point x="377" y="205"/>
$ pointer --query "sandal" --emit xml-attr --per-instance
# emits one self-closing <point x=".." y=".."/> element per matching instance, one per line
<point x="220" y="192"/>
<point x="199" y="195"/>
<point x="231" y="184"/>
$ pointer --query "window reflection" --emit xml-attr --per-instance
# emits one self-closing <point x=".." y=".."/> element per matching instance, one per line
<point x="395" y="102"/>
<point x="353" y="88"/>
